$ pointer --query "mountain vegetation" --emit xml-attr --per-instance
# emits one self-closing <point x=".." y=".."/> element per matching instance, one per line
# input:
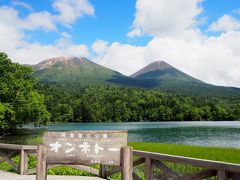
<point x="73" y="72"/>
<point x="106" y="103"/>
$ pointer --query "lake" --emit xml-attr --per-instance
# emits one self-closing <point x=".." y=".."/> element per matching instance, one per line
<point x="218" y="134"/>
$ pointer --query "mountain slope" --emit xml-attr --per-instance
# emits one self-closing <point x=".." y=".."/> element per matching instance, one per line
<point x="161" y="70"/>
<point x="169" y="78"/>
<point x="72" y="71"/>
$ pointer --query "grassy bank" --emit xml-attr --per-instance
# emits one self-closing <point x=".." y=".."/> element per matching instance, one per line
<point x="219" y="154"/>
<point x="212" y="153"/>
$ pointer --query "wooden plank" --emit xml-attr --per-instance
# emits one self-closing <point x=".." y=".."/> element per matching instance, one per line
<point x="126" y="163"/>
<point x="10" y="146"/>
<point x="41" y="173"/>
<point x="87" y="147"/>
<point x="10" y="162"/>
<point x="148" y="169"/>
<point x="200" y="175"/>
<point x="222" y="174"/>
<point x="165" y="169"/>
<point x="9" y="156"/>
<point x="17" y="147"/>
<point x="103" y="171"/>
<point x="138" y="161"/>
<point x="186" y="160"/>
<point x="23" y="162"/>
<point x="29" y="147"/>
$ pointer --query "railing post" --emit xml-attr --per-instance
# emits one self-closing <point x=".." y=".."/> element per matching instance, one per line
<point x="102" y="171"/>
<point x="148" y="169"/>
<point x="126" y="163"/>
<point x="41" y="173"/>
<point x="23" y="168"/>
<point x="222" y="174"/>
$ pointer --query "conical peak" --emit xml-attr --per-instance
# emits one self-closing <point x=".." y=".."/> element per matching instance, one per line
<point x="156" y="65"/>
<point x="161" y="65"/>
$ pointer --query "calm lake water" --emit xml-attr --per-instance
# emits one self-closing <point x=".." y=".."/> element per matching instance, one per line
<point x="221" y="134"/>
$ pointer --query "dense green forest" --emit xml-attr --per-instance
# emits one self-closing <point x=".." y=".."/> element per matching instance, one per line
<point x="118" y="104"/>
<point x="20" y="103"/>
<point x="23" y="101"/>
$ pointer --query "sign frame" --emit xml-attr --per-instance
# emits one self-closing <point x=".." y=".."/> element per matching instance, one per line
<point x="125" y="155"/>
<point x="85" y="147"/>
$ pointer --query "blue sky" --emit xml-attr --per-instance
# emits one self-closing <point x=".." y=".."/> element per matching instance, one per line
<point x="197" y="36"/>
<point x="112" y="20"/>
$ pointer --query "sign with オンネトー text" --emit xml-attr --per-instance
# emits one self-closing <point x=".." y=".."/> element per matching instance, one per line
<point x="85" y="147"/>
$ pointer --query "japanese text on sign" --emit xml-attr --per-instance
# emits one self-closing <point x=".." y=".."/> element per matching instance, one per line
<point x="86" y="147"/>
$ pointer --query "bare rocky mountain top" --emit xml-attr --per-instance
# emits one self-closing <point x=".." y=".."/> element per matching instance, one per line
<point x="60" y="59"/>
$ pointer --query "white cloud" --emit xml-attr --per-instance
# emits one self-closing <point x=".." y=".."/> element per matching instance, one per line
<point x="22" y="4"/>
<point x="122" y="57"/>
<point x="40" y="20"/>
<point x="161" y="17"/>
<point x="70" y="10"/>
<point x="237" y="11"/>
<point x="68" y="48"/>
<point x="178" y="40"/>
<point x="225" y="23"/>
<point x="14" y="39"/>
<point x="32" y="53"/>
<point x="135" y="33"/>
<point x="214" y="60"/>
<point x="100" y="46"/>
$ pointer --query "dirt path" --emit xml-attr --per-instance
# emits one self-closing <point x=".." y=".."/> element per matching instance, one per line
<point x="11" y="176"/>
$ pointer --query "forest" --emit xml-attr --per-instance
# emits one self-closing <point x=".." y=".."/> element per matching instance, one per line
<point x="20" y="102"/>
<point x="119" y="104"/>
<point x="25" y="101"/>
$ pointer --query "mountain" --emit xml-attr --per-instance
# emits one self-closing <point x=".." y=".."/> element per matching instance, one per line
<point x="74" y="72"/>
<point x="161" y="70"/>
<point x="169" y="78"/>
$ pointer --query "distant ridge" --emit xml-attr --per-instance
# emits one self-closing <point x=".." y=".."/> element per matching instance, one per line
<point x="78" y="72"/>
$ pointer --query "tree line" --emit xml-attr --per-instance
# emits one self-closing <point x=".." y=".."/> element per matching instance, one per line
<point x="119" y="104"/>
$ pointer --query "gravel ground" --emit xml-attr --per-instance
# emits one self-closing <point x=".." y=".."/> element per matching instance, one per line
<point x="12" y="176"/>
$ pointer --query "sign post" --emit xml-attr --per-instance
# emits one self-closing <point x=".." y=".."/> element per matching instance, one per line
<point x="108" y="148"/>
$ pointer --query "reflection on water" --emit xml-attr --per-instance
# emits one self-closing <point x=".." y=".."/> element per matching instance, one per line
<point x="222" y="134"/>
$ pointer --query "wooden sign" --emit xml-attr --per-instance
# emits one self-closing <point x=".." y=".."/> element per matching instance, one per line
<point x="85" y="147"/>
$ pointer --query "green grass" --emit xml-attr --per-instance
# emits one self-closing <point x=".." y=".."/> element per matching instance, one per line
<point x="231" y="155"/>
